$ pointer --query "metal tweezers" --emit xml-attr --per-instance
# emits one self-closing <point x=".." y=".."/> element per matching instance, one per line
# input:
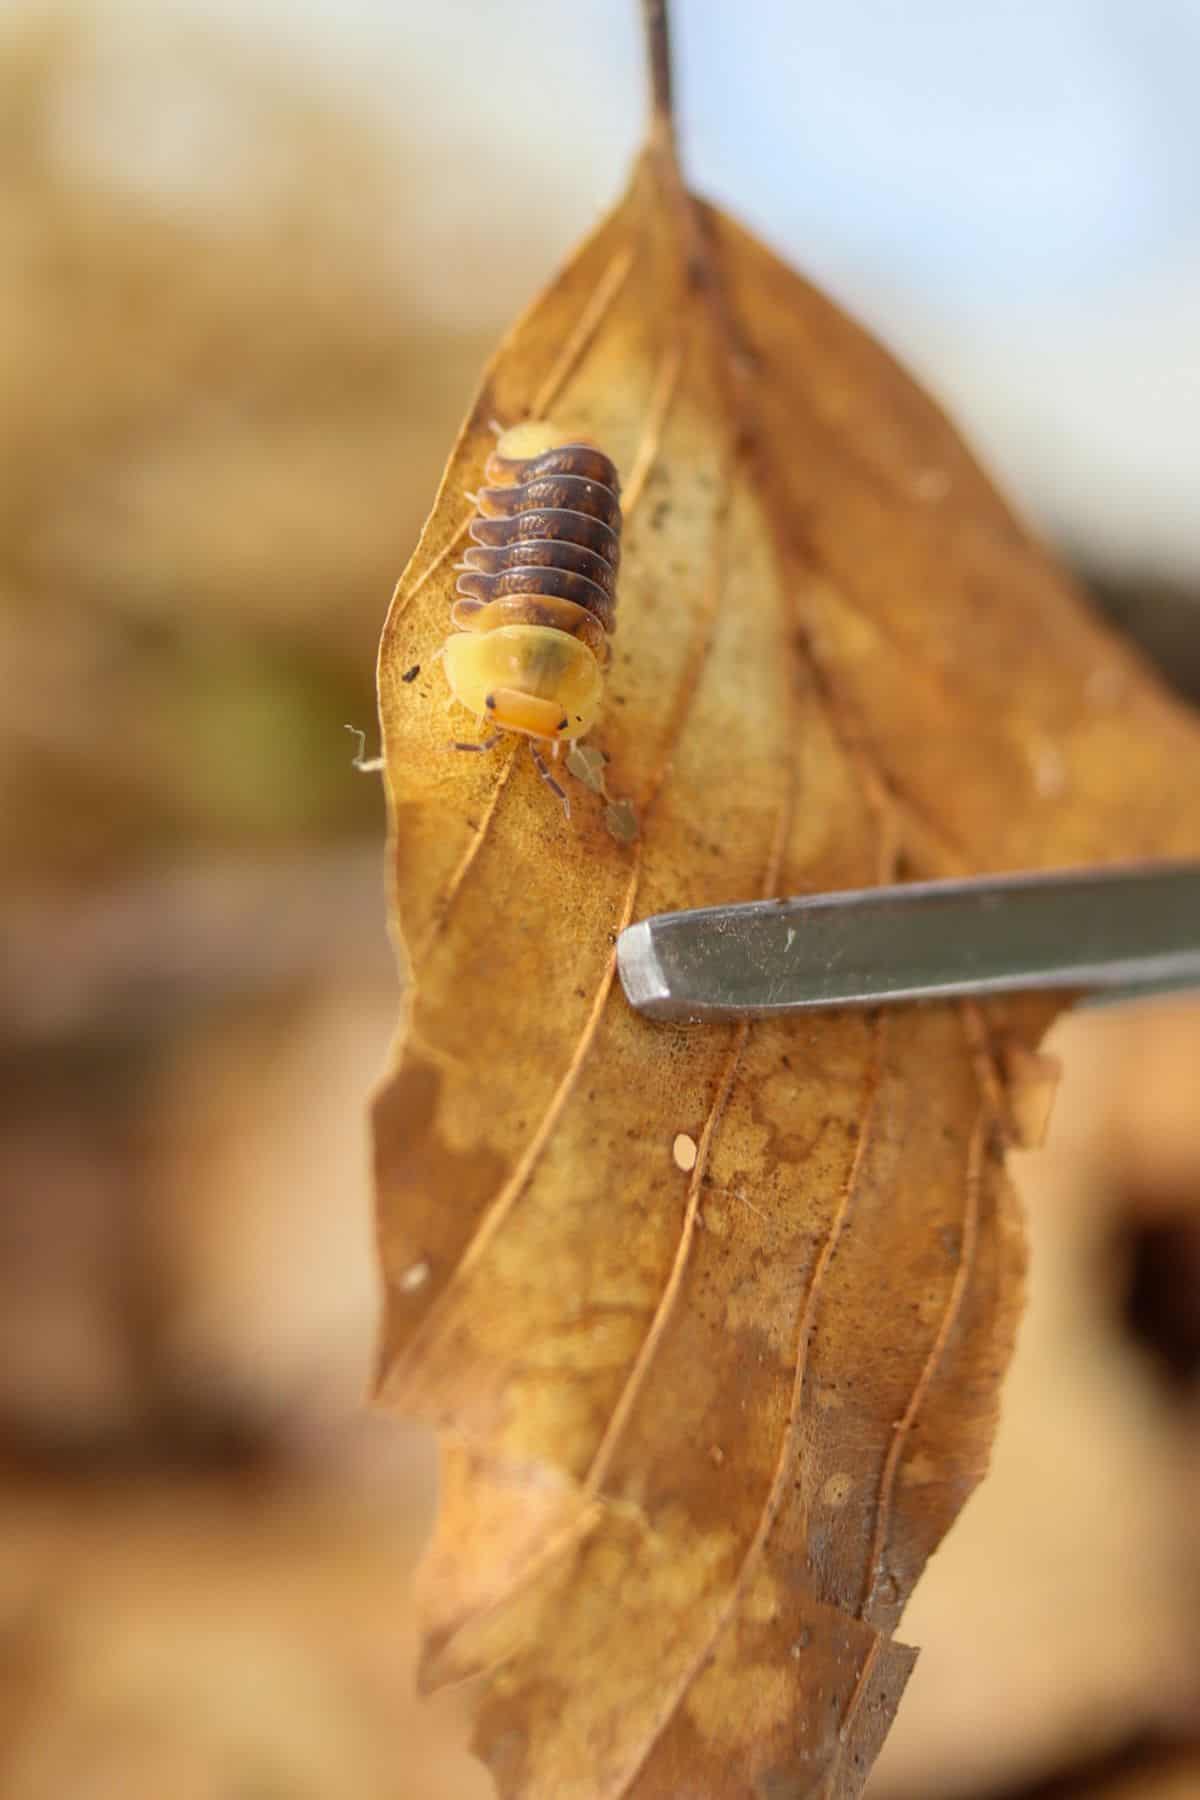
<point x="1116" y="933"/>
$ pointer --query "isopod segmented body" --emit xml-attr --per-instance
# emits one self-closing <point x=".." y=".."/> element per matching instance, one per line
<point x="537" y="589"/>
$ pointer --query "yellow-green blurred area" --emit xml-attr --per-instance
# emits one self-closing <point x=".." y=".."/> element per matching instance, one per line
<point x="227" y="389"/>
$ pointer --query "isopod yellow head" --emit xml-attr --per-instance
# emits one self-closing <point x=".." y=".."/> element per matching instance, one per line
<point x="517" y="445"/>
<point x="530" y="679"/>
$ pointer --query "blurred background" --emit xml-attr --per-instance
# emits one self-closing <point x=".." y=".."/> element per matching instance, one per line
<point x="252" y="258"/>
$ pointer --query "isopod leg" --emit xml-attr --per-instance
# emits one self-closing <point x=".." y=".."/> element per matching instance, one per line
<point x="539" y="763"/>
<point x="487" y="744"/>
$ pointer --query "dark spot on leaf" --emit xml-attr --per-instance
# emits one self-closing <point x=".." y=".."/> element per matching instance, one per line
<point x="1162" y="1287"/>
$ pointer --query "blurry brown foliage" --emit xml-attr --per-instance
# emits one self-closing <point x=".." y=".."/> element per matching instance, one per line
<point x="219" y="415"/>
<point x="216" y="423"/>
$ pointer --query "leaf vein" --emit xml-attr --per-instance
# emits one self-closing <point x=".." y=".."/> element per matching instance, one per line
<point x="586" y="327"/>
<point x="775" y="1493"/>
<point x="661" y="395"/>
<point x="662" y="392"/>
<point x="627" y="1399"/>
<point x="887" y="1485"/>
<point x="962" y="1274"/>
<point x="463" y="867"/>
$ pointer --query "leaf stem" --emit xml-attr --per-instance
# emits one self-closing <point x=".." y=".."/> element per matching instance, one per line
<point x="657" y="30"/>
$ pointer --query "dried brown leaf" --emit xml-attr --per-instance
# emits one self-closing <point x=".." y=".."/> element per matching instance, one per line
<point x="703" y="1425"/>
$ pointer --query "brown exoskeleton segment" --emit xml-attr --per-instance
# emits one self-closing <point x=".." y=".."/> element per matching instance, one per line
<point x="537" y="591"/>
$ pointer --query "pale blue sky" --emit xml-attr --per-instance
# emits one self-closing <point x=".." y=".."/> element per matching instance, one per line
<point x="996" y="148"/>
<point x="1008" y="192"/>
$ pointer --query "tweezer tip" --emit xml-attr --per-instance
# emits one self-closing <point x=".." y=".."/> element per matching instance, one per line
<point x="641" y="972"/>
